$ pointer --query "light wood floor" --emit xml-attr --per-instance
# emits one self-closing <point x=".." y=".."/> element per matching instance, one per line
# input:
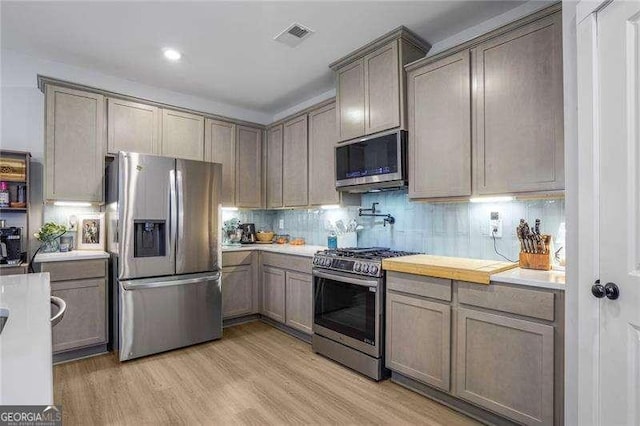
<point x="255" y="375"/>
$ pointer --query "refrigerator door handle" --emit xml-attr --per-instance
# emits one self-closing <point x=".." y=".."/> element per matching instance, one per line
<point x="173" y="203"/>
<point x="180" y="246"/>
<point x="150" y="283"/>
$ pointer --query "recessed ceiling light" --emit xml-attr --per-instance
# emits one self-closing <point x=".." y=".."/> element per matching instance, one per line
<point x="172" y="54"/>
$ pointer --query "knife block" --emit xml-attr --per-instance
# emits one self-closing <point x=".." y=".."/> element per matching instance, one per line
<point x="538" y="261"/>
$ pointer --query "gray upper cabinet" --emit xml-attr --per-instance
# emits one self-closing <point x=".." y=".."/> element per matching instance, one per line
<point x="249" y="167"/>
<point x="506" y="365"/>
<point x="350" y="98"/>
<point x="220" y="147"/>
<point x="299" y="301"/>
<point x="295" y="186"/>
<point x="273" y="293"/>
<point x="439" y="105"/>
<point x="382" y="89"/>
<point x="518" y="110"/>
<point x="182" y="135"/>
<point x="370" y="84"/>
<point x="75" y="145"/>
<point x="132" y="127"/>
<point x="274" y="167"/>
<point x="322" y="162"/>
<point x="418" y="339"/>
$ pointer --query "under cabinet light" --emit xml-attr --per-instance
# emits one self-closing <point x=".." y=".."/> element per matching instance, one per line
<point x="229" y="209"/>
<point x="72" y="204"/>
<point x="491" y="199"/>
<point x="330" y="206"/>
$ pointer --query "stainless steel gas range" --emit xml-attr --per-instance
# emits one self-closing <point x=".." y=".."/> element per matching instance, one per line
<point x="348" y="319"/>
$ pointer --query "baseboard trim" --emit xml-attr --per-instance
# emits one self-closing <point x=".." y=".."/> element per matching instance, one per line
<point x="76" y="354"/>
<point x="282" y="327"/>
<point x="230" y="322"/>
<point x="450" y="401"/>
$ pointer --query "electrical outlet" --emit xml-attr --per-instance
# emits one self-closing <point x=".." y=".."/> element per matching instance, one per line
<point x="281" y="224"/>
<point x="495" y="225"/>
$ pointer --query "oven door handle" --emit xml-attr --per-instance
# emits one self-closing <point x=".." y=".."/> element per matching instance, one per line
<point x="355" y="281"/>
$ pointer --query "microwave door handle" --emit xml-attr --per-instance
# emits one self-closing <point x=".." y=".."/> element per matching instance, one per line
<point x="356" y="281"/>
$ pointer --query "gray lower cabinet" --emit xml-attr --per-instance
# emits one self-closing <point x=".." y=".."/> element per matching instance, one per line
<point x="248" y="167"/>
<point x="273" y="182"/>
<point x="439" y="103"/>
<point x="498" y="347"/>
<point x="518" y="110"/>
<point x="295" y="171"/>
<point x="273" y="293"/>
<point x="74" y="135"/>
<point x="220" y="147"/>
<point x="299" y="301"/>
<point x="82" y="285"/>
<point x="132" y="127"/>
<point x="182" y="135"/>
<point x="418" y="339"/>
<point x="506" y="365"/>
<point x="237" y="291"/>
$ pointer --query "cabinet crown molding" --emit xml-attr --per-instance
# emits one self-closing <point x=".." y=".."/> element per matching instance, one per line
<point x="400" y="33"/>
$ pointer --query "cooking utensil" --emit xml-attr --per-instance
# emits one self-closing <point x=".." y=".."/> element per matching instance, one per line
<point x="340" y="226"/>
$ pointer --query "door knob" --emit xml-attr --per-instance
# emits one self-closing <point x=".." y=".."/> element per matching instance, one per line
<point x="612" y="291"/>
<point x="598" y="290"/>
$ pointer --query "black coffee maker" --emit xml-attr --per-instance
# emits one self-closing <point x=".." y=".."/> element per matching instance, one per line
<point x="10" y="246"/>
<point x="248" y="233"/>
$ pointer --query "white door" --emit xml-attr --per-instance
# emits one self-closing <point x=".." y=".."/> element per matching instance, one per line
<point x="615" y="94"/>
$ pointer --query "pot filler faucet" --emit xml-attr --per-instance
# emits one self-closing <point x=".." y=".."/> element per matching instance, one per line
<point x="375" y="213"/>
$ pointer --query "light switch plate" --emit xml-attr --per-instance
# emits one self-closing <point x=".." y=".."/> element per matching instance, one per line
<point x="281" y="224"/>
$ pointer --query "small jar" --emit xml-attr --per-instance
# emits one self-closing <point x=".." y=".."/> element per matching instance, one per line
<point x="4" y="194"/>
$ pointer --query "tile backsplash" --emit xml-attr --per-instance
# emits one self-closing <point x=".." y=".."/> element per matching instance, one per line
<point x="449" y="229"/>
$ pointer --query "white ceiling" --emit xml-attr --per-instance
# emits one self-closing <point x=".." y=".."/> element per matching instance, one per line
<point x="228" y="50"/>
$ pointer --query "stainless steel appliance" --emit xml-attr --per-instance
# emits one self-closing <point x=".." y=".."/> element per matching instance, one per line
<point x="248" y="233"/>
<point x="373" y="162"/>
<point x="10" y="246"/>
<point x="163" y="235"/>
<point x="348" y="318"/>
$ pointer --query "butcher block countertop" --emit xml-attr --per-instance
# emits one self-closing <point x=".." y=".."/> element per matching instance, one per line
<point x="455" y="268"/>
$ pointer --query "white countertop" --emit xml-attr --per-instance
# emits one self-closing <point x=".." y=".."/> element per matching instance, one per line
<point x="544" y="279"/>
<point x="71" y="255"/>
<point x="305" y="250"/>
<point x="26" y="369"/>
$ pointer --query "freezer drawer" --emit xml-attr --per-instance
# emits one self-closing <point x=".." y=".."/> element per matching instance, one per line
<point x="160" y="314"/>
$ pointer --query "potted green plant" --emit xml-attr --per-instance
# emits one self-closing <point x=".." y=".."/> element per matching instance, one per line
<point x="48" y="234"/>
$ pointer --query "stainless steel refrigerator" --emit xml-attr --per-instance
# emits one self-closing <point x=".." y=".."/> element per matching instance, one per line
<point x="163" y="235"/>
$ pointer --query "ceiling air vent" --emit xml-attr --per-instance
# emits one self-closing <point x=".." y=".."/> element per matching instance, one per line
<point x="293" y="35"/>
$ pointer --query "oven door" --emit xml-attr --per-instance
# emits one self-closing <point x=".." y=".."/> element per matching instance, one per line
<point x="348" y="310"/>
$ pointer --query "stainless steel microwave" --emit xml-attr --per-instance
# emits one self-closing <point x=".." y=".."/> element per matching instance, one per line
<point x="372" y="162"/>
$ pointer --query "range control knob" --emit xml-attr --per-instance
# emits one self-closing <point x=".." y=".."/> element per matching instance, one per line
<point x="327" y="262"/>
<point x="315" y="260"/>
<point x="357" y="266"/>
<point x="365" y="268"/>
<point x="373" y="270"/>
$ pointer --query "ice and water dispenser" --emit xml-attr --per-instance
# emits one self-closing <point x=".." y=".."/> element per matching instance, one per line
<point x="150" y="238"/>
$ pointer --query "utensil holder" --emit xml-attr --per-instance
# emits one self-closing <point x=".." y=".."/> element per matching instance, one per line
<point x="348" y="240"/>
